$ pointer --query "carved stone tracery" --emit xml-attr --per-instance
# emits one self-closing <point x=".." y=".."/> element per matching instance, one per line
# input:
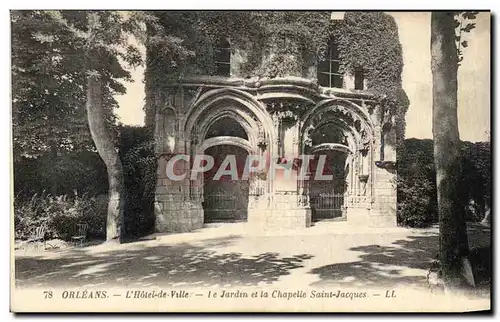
<point x="277" y="125"/>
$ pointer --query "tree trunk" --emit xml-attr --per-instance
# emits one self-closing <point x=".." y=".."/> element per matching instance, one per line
<point x="487" y="216"/>
<point x="453" y="242"/>
<point x="107" y="151"/>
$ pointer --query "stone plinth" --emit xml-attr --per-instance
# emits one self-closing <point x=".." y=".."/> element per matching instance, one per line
<point x="178" y="216"/>
<point x="278" y="212"/>
<point x="281" y="119"/>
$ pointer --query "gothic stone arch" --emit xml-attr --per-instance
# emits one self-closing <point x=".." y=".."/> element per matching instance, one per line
<point x="251" y="115"/>
<point x="261" y="108"/>
<point x="355" y="125"/>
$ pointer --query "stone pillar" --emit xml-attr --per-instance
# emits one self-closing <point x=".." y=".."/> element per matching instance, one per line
<point x="385" y="186"/>
<point x="380" y="200"/>
<point x="176" y="210"/>
<point x="359" y="209"/>
<point x="365" y="173"/>
<point x="349" y="81"/>
<point x="284" y="207"/>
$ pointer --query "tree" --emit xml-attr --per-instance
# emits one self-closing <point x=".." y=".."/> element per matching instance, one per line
<point x="453" y="239"/>
<point x="77" y="64"/>
<point x="67" y="67"/>
<point x="48" y="108"/>
<point x="102" y="38"/>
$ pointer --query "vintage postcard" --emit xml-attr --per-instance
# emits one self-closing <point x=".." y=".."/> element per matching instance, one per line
<point x="250" y="161"/>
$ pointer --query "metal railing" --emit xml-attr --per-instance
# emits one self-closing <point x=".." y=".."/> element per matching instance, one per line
<point x="327" y="206"/>
<point x="222" y="207"/>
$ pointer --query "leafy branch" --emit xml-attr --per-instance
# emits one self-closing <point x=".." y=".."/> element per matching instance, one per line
<point x="463" y="24"/>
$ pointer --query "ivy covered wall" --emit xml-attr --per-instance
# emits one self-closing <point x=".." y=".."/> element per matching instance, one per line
<point x="279" y="44"/>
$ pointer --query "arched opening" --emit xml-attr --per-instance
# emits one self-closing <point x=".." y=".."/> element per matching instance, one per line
<point x="226" y="126"/>
<point x="228" y="122"/>
<point x="329" y="172"/>
<point x="225" y="196"/>
<point x="233" y="103"/>
<point x="327" y="194"/>
<point x="328" y="132"/>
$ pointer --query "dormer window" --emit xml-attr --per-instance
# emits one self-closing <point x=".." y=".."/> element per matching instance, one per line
<point x="337" y="15"/>
<point x="359" y="79"/>
<point x="223" y="58"/>
<point x="329" y="74"/>
<point x="283" y="41"/>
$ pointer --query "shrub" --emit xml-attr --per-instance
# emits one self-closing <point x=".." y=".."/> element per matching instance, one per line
<point x="60" y="173"/>
<point x="416" y="206"/>
<point x="139" y="170"/>
<point x="60" y="214"/>
<point x="54" y="174"/>
<point x="416" y="184"/>
<point x="417" y="193"/>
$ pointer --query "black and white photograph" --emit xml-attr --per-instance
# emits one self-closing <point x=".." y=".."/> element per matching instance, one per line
<point x="250" y="161"/>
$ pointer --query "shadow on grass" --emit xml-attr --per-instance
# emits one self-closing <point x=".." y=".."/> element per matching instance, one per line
<point x="176" y="265"/>
<point x="404" y="262"/>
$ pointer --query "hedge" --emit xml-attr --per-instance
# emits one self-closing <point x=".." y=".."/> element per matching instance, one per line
<point x="73" y="186"/>
<point x="417" y="195"/>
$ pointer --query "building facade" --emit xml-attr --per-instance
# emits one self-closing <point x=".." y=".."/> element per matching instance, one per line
<point x="323" y="112"/>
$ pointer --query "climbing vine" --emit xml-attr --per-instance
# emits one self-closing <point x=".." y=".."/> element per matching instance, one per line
<point x="277" y="44"/>
<point x="369" y="41"/>
<point x="288" y="43"/>
<point x="463" y="24"/>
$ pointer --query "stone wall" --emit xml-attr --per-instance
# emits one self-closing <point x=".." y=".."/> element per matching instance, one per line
<point x="279" y="212"/>
<point x="179" y="204"/>
<point x="175" y="210"/>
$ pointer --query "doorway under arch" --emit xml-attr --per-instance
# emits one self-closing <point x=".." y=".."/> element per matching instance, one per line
<point x="225" y="198"/>
<point x="327" y="196"/>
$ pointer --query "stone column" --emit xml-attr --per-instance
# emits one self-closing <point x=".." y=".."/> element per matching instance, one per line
<point x="177" y="204"/>
<point x="384" y="190"/>
<point x="286" y="209"/>
<point x="364" y="175"/>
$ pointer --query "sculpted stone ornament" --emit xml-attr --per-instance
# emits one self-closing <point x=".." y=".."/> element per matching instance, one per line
<point x="307" y="142"/>
<point x="363" y="178"/>
<point x="262" y="139"/>
<point x="282" y="116"/>
<point x="158" y="99"/>
<point x="262" y="143"/>
<point x="194" y="95"/>
<point x="261" y="175"/>
<point x="364" y="145"/>
<point x="169" y="103"/>
<point x="194" y="139"/>
<point x="388" y="165"/>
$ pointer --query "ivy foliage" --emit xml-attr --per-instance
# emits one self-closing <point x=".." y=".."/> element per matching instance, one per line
<point x="417" y="192"/>
<point x="275" y="41"/>
<point x="283" y="43"/>
<point x="369" y="41"/>
<point x="139" y="171"/>
<point x="289" y="42"/>
<point x="50" y="61"/>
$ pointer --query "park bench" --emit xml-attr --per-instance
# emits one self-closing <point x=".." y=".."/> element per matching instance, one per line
<point x="37" y="236"/>
<point x="81" y="235"/>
